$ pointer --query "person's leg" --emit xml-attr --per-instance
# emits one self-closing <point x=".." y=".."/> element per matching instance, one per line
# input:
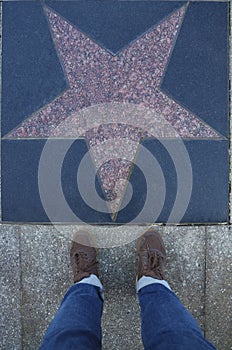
<point x="77" y="324"/>
<point x="166" y="324"/>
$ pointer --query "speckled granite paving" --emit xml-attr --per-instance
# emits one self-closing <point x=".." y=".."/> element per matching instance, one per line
<point x="36" y="273"/>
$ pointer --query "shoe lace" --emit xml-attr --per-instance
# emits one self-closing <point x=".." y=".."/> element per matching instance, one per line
<point x="81" y="260"/>
<point x="155" y="262"/>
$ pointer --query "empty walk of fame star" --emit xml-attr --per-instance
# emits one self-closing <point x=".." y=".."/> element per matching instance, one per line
<point x="95" y="77"/>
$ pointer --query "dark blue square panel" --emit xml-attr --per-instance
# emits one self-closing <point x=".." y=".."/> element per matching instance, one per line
<point x="148" y="72"/>
<point x="25" y="200"/>
<point x="197" y="73"/>
<point x="172" y="182"/>
<point x="114" y="24"/>
<point x="189" y="181"/>
<point x="31" y="72"/>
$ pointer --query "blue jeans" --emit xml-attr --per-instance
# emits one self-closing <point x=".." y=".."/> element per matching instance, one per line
<point x="166" y="324"/>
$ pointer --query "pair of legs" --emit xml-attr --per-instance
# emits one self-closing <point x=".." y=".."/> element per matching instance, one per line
<point x="166" y="324"/>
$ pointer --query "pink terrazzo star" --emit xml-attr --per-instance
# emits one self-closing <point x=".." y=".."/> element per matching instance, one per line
<point x="97" y="77"/>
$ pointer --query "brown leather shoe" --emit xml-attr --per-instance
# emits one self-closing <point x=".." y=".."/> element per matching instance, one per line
<point x="83" y="256"/>
<point x="152" y="255"/>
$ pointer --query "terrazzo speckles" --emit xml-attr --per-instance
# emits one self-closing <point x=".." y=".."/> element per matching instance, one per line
<point x="95" y="77"/>
<point x="122" y="141"/>
<point x="113" y="176"/>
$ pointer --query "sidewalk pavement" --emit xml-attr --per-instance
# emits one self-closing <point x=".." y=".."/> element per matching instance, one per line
<point x="36" y="273"/>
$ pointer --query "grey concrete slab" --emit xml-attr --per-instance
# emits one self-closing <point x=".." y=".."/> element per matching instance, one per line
<point x="185" y="269"/>
<point x="218" y="306"/>
<point x="105" y="236"/>
<point x="121" y="317"/>
<point x="10" y="291"/>
<point x="118" y="267"/>
<point x="45" y="278"/>
<point x="185" y="272"/>
<point x="1" y="104"/>
<point x="47" y="275"/>
<point x="121" y="322"/>
<point x="230" y="121"/>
